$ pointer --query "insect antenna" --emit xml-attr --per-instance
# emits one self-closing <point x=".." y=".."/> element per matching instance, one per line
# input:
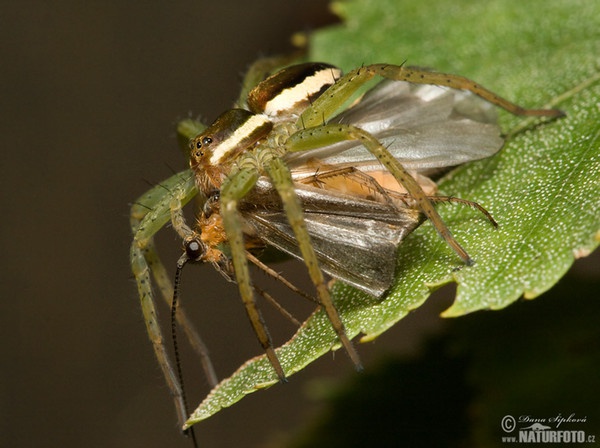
<point x="180" y="264"/>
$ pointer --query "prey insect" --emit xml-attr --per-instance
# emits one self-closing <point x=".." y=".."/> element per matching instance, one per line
<point x="337" y="187"/>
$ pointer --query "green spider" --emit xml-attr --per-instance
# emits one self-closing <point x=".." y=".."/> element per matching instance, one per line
<point x="291" y="167"/>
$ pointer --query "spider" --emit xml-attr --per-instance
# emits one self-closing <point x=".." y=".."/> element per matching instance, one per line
<point x="295" y="168"/>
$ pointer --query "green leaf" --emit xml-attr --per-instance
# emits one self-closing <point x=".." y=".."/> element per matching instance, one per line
<point x="543" y="187"/>
<point x="429" y="399"/>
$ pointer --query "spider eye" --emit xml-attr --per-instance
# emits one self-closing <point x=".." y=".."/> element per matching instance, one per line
<point x="194" y="249"/>
<point x="199" y="143"/>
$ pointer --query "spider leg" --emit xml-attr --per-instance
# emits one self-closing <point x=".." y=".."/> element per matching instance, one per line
<point x="332" y="133"/>
<point x="141" y="271"/>
<point x="420" y="76"/>
<point x="232" y="192"/>
<point x="149" y="214"/>
<point x="282" y="181"/>
<point x="163" y="281"/>
<point x="325" y="106"/>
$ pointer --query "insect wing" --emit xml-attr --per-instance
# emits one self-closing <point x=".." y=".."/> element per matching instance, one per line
<point x="355" y="239"/>
<point x="424" y="127"/>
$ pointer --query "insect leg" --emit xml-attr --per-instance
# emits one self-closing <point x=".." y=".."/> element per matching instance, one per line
<point x="406" y="198"/>
<point x="326" y="105"/>
<point x="359" y="181"/>
<point x="332" y="133"/>
<point x="282" y="181"/>
<point x="233" y="191"/>
<point x="280" y="278"/>
<point x="468" y="203"/>
<point x="275" y="304"/>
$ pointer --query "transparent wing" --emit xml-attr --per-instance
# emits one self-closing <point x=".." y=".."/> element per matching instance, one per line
<point x="354" y="239"/>
<point x="425" y="127"/>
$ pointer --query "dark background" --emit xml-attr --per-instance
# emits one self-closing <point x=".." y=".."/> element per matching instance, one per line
<point x="90" y="94"/>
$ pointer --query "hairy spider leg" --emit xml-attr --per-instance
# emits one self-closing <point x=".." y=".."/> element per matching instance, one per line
<point x="325" y="106"/>
<point x="234" y="190"/>
<point x="331" y="133"/>
<point x="149" y="214"/>
<point x="316" y="133"/>
<point x="282" y="181"/>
